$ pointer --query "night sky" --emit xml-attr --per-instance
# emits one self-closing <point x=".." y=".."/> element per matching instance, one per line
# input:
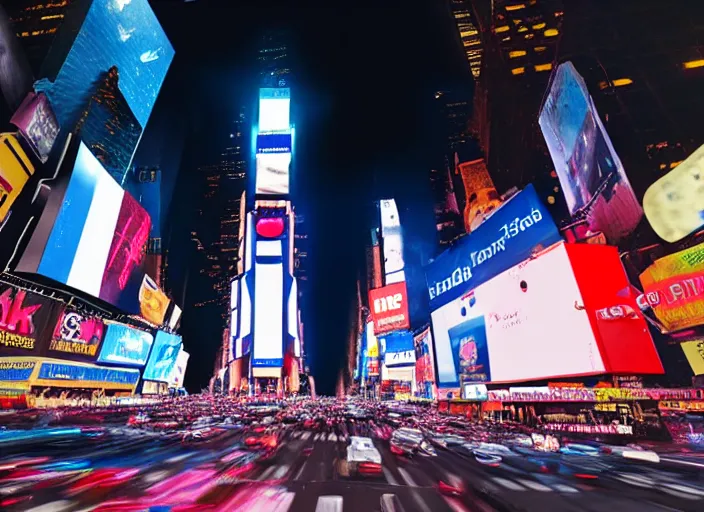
<point x="365" y="78"/>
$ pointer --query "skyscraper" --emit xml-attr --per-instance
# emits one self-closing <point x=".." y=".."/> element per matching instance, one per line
<point x="515" y="49"/>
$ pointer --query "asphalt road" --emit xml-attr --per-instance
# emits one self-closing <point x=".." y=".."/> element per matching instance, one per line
<point x="305" y="468"/>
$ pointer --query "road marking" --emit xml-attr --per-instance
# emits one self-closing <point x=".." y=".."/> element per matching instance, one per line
<point x="281" y="472"/>
<point x="684" y="462"/>
<point x="300" y="471"/>
<point x="389" y="477"/>
<point x="566" y="488"/>
<point x="536" y="486"/>
<point x="685" y="488"/>
<point x="637" y="480"/>
<point x="54" y="506"/>
<point x="407" y="477"/>
<point x="266" y="473"/>
<point x="509" y="484"/>
<point x="317" y="437"/>
<point x="155" y="476"/>
<point x="679" y="494"/>
<point x="421" y="504"/>
<point x="177" y="458"/>
<point x="305" y="436"/>
<point x="332" y="437"/>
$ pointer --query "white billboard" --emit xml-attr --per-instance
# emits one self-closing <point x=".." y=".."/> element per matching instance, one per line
<point x="268" y="314"/>
<point x="389" y="216"/>
<point x="273" y="173"/>
<point x="274" y="110"/>
<point x="179" y="370"/>
<point x="528" y="323"/>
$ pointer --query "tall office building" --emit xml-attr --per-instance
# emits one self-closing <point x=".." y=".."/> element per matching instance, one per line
<point x="217" y="226"/>
<point x="274" y="59"/>
<point x="511" y="62"/>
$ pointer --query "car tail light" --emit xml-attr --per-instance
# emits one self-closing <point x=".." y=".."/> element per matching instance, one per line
<point x="448" y="490"/>
<point x="585" y="476"/>
<point x="606" y="450"/>
<point x="369" y="468"/>
<point x="396" y="450"/>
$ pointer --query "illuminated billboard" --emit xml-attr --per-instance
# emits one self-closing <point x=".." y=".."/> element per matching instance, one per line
<point x="120" y="33"/>
<point x="16" y="169"/>
<point x="24" y="320"/>
<point x="673" y="287"/>
<point x="516" y="230"/>
<point x="274" y="109"/>
<point x="590" y="172"/>
<point x="425" y="372"/>
<point x="398" y="349"/>
<point x="540" y="319"/>
<point x="37" y="123"/>
<point x="389" y="307"/>
<point x="268" y="315"/>
<point x="57" y="373"/>
<point x="153" y="302"/>
<point x="125" y="345"/>
<point x="274" y="143"/>
<point x="273" y="173"/>
<point x="674" y="204"/>
<point x="91" y="236"/>
<point x="392" y="241"/>
<point x="77" y="335"/>
<point x="179" y="370"/>
<point x="163" y="357"/>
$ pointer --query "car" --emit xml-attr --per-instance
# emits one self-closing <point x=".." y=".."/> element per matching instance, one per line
<point x="410" y="441"/>
<point x="363" y="459"/>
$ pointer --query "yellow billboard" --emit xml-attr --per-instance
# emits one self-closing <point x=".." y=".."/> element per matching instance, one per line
<point x="694" y="350"/>
<point x="15" y="170"/>
<point x="674" y="287"/>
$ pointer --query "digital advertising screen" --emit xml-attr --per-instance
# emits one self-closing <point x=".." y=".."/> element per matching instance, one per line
<point x="125" y="345"/>
<point x="694" y="352"/>
<point x="16" y="169"/>
<point x="37" y="123"/>
<point x="87" y="376"/>
<point x="163" y="357"/>
<point x="92" y="236"/>
<point x="674" y="204"/>
<point x="274" y="109"/>
<point x="16" y="370"/>
<point x="673" y="287"/>
<point x="389" y="307"/>
<point x="153" y="302"/>
<point x="273" y="173"/>
<point x="179" y="370"/>
<point x="268" y="315"/>
<point x="124" y="34"/>
<point x="78" y="335"/>
<point x="25" y="318"/>
<point x="423" y="344"/>
<point x="500" y="333"/>
<point x="512" y="234"/>
<point x="590" y="171"/>
<point x="274" y="143"/>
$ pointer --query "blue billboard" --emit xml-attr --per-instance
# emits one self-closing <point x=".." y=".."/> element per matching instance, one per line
<point x="73" y="372"/>
<point x="125" y="345"/>
<point x="124" y="34"/>
<point x="512" y="234"/>
<point x="163" y="357"/>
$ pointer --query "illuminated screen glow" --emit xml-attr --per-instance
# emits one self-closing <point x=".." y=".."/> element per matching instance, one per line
<point x="125" y="345"/>
<point x="179" y="370"/>
<point x="273" y="173"/>
<point x="518" y="345"/>
<point x="97" y="240"/>
<point x="268" y="314"/>
<point x="393" y="253"/>
<point x="293" y="317"/>
<point x="274" y="110"/>
<point x="269" y="248"/>
<point x="163" y="357"/>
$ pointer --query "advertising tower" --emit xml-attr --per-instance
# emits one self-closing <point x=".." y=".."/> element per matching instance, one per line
<point x="264" y="322"/>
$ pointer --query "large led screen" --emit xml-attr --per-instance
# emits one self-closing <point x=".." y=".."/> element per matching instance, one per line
<point x="87" y="376"/>
<point x="121" y="33"/>
<point x="389" y="308"/>
<point x="25" y="317"/>
<point x="673" y="287"/>
<point x="274" y="109"/>
<point x="674" y="205"/>
<point x="77" y="335"/>
<point x="273" y="173"/>
<point x="512" y="234"/>
<point x="590" y="172"/>
<point x="163" y="357"/>
<point x="92" y="236"/>
<point x="16" y="371"/>
<point x="521" y="325"/>
<point x="179" y="370"/>
<point x="125" y="345"/>
<point x="268" y="315"/>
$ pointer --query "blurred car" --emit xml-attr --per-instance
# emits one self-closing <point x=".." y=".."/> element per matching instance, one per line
<point x="410" y="441"/>
<point x="363" y="459"/>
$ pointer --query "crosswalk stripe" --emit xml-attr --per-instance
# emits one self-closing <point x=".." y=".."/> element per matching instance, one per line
<point x="389" y="477"/>
<point x="407" y="477"/>
<point x="508" y="484"/>
<point x="54" y="506"/>
<point x="280" y="472"/>
<point x="637" y="480"/>
<point x="536" y="486"/>
<point x="267" y="473"/>
<point x="305" y="436"/>
<point x="685" y="488"/>
<point x="332" y="437"/>
<point x="566" y="488"/>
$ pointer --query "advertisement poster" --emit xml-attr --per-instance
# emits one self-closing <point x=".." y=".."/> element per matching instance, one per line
<point x="24" y="317"/>
<point x="37" y="123"/>
<point x="16" y="370"/>
<point x="673" y="287"/>
<point x="468" y="341"/>
<point x="163" y="357"/>
<point x="87" y="376"/>
<point x="153" y="303"/>
<point x="78" y="335"/>
<point x="694" y="351"/>
<point x="389" y="306"/>
<point x="125" y="345"/>
<point x="591" y="174"/>
<point x="15" y="171"/>
<point x="179" y="371"/>
<point x="520" y="227"/>
<point x="674" y="204"/>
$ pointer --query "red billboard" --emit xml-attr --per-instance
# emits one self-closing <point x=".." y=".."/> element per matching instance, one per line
<point x="24" y="317"/>
<point x="77" y="335"/>
<point x="389" y="307"/>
